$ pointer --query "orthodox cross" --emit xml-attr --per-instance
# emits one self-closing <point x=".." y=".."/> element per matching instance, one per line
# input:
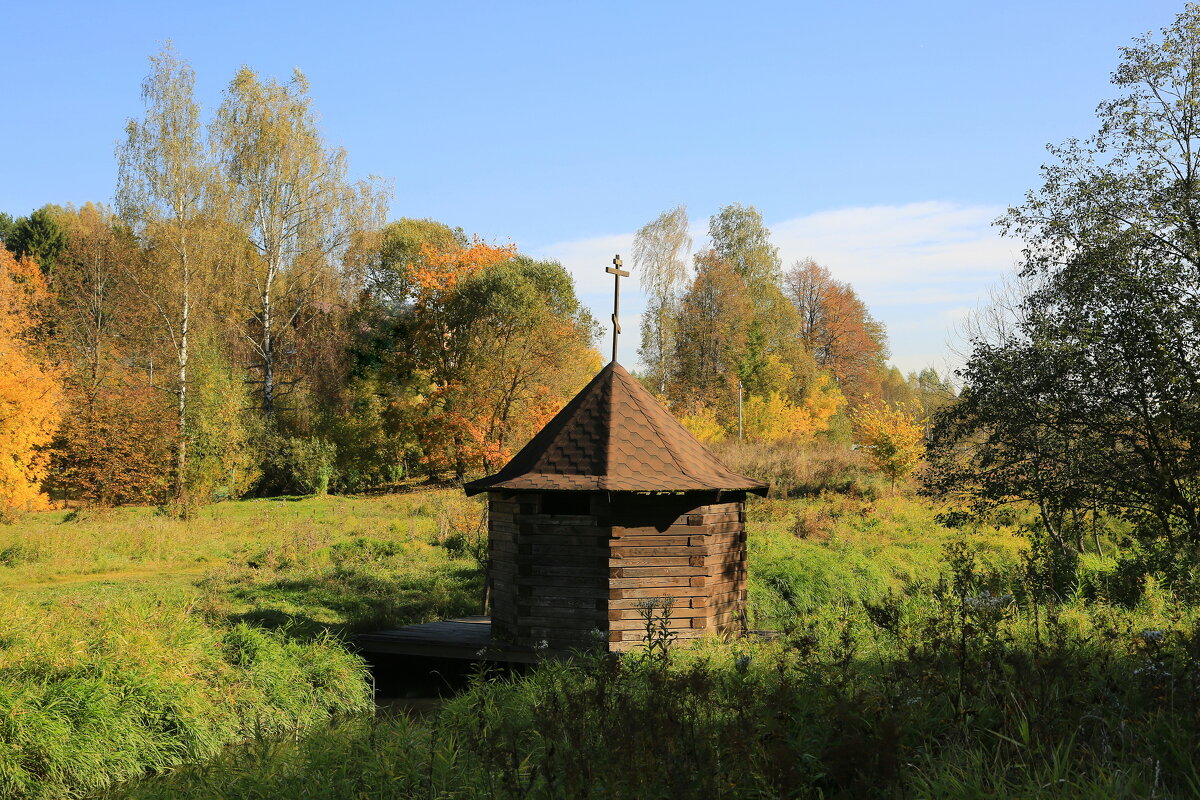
<point x="617" y="273"/>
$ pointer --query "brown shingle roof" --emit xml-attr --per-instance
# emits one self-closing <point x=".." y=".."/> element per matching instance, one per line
<point x="615" y="436"/>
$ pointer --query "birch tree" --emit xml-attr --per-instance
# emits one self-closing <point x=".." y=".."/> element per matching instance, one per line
<point x="291" y="198"/>
<point x="660" y="252"/>
<point x="165" y="185"/>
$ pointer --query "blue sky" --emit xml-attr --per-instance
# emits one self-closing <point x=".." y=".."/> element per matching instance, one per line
<point x="879" y="138"/>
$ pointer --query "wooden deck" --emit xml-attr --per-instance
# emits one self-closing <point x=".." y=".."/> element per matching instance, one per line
<point x="465" y="638"/>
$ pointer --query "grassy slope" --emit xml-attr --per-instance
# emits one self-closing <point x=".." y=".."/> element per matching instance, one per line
<point x="130" y="641"/>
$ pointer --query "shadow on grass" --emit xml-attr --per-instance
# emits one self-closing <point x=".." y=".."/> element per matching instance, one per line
<point x="351" y="600"/>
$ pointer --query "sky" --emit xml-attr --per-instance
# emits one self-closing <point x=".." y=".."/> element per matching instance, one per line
<point x="880" y="138"/>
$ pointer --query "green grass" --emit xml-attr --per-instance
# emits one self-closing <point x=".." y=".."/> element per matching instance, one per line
<point x="813" y="554"/>
<point x="132" y="642"/>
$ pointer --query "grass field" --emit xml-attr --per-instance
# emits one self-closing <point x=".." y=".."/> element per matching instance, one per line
<point x="130" y="641"/>
<point x="915" y="661"/>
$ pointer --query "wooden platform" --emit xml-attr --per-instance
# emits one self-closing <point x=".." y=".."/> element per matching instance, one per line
<point x="465" y="638"/>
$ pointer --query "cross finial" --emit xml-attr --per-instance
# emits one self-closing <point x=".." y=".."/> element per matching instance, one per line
<point x="617" y="273"/>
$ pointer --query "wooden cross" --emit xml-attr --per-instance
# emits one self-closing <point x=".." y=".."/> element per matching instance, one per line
<point x="618" y="273"/>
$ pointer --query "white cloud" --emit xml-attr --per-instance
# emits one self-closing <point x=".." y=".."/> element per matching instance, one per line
<point x="920" y="267"/>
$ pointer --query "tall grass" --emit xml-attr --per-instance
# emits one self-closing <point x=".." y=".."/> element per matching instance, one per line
<point x="93" y="695"/>
<point x="131" y="642"/>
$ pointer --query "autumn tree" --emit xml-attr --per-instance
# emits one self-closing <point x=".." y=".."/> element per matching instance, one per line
<point x="894" y="437"/>
<point x="774" y="359"/>
<point x="390" y="268"/>
<point x="740" y="238"/>
<point x="502" y="343"/>
<point x="29" y="388"/>
<point x="711" y="341"/>
<point x="660" y="251"/>
<point x="166" y="187"/>
<point x="291" y="196"/>
<point x="115" y="442"/>
<point x="838" y="329"/>
<point x="772" y="417"/>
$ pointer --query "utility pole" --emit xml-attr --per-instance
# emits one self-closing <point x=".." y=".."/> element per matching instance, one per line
<point x="739" y="411"/>
<point x="618" y="273"/>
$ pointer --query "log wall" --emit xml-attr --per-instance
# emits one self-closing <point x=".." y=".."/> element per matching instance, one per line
<point x="564" y="578"/>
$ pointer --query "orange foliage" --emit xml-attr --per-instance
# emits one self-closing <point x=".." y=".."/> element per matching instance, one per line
<point x="838" y="330"/>
<point x="30" y="391"/>
<point x="116" y="448"/>
<point x="437" y="272"/>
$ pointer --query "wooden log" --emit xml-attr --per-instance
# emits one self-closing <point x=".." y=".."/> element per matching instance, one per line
<point x="676" y="611"/>
<point x="559" y="570"/>
<point x="594" y="585"/>
<point x="657" y="561"/>
<point x="664" y="582"/>
<point x="549" y="551"/>
<point x="578" y="523"/>
<point x="658" y="591"/>
<point x="639" y="625"/>
<point x="578" y="540"/>
<point x="652" y="572"/>
<point x="529" y="603"/>
<point x="565" y="561"/>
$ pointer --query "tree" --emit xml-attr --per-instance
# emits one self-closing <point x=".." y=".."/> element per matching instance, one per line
<point x="837" y="329"/>
<point x="1088" y="398"/>
<point x="711" y="341"/>
<point x="39" y="236"/>
<point x="774" y="418"/>
<point x="291" y="197"/>
<point x="115" y="442"/>
<point x="740" y="238"/>
<point x="165" y="192"/>
<point x="894" y="438"/>
<point x="501" y="343"/>
<point x="389" y="269"/>
<point x="660" y="251"/>
<point x="29" y="389"/>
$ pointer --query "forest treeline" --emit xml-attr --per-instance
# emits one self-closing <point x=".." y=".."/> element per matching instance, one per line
<point x="243" y="321"/>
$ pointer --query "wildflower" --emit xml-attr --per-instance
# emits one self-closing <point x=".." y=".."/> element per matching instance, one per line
<point x="1152" y="636"/>
<point x="742" y="663"/>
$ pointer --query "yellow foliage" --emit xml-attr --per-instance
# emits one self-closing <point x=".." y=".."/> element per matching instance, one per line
<point x="702" y="423"/>
<point x="894" y="436"/>
<point x="773" y="418"/>
<point x="30" y="392"/>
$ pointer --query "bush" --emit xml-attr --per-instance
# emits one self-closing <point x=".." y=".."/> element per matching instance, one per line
<point x="297" y="465"/>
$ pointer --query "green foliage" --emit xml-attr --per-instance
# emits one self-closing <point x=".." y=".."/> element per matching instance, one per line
<point x="296" y="465"/>
<point x="225" y="437"/>
<point x="7" y="223"/>
<point x="911" y="664"/>
<point x="40" y="236"/>
<point x="1083" y="398"/>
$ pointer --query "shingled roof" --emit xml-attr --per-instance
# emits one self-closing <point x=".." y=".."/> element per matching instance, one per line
<point x="615" y="436"/>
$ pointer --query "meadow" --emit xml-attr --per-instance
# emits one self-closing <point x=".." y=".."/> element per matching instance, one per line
<point x="909" y="659"/>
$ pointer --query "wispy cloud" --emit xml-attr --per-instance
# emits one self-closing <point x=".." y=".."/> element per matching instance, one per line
<point x="919" y="266"/>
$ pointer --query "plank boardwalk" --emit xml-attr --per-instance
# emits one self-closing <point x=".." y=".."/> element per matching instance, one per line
<point x="468" y="638"/>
